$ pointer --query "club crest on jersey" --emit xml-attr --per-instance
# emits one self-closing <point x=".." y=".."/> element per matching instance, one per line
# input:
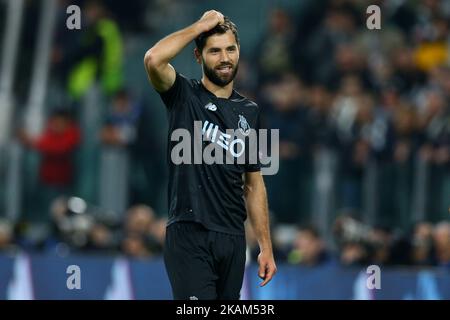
<point x="243" y="125"/>
<point x="211" y="107"/>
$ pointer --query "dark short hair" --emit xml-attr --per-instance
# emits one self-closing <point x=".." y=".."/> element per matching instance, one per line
<point x="61" y="112"/>
<point x="200" y="41"/>
<point x="310" y="229"/>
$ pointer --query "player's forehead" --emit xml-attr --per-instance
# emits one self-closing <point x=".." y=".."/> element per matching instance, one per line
<point x="224" y="40"/>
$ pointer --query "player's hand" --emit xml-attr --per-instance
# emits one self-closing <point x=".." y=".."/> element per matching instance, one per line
<point x="267" y="267"/>
<point x="210" y="19"/>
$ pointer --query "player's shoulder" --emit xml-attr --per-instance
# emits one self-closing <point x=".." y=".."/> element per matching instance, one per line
<point x="243" y="100"/>
<point x="191" y="82"/>
<point x="194" y="84"/>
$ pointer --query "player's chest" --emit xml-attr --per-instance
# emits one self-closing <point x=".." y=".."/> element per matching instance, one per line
<point x="224" y="114"/>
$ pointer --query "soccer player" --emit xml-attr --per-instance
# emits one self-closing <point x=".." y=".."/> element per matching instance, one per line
<point x="205" y="244"/>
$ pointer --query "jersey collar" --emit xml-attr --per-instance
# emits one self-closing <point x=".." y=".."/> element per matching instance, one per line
<point x="234" y="94"/>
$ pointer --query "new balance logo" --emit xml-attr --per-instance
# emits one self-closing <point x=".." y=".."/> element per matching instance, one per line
<point x="211" y="106"/>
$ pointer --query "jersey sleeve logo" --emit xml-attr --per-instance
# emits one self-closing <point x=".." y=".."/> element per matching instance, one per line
<point x="211" y="107"/>
<point x="243" y="125"/>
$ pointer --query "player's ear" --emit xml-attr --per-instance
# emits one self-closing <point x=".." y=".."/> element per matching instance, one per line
<point x="198" y="56"/>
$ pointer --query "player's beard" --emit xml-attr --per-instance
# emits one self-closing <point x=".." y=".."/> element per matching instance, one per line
<point x="215" y="77"/>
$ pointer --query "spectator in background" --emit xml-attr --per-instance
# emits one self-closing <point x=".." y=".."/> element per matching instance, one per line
<point x="309" y="249"/>
<point x="353" y="254"/>
<point x="352" y="117"/>
<point x="405" y="75"/>
<point x="426" y="11"/>
<point x="441" y="238"/>
<point x="77" y="226"/>
<point x="440" y="78"/>
<point x="246" y="79"/>
<point x="398" y="166"/>
<point x="119" y="136"/>
<point x="432" y="50"/>
<point x="381" y="240"/>
<point x="129" y="137"/>
<point x="319" y="120"/>
<point x="137" y="239"/>
<point x="134" y="246"/>
<point x="405" y="138"/>
<point x="434" y="124"/>
<point x="275" y="47"/>
<point x="422" y="245"/>
<point x="139" y="220"/>
<point x="71" y="227"/>
<point x="435" y="127"/>
<point x="56" y="146"/>
<point x="95" y="53"/>
<point x="285" y="111"/>
<point x="349" y="60"/>
<point x="122" y="120"/>
<point x="133" y="15"/>
<point x="352" y="238"/>
<point x="101" y="239"/>
<point x="337" y="28"/>
<point x="6" y="236"/>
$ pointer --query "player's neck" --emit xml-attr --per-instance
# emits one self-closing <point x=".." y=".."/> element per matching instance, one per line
<point x="220" y="92"/>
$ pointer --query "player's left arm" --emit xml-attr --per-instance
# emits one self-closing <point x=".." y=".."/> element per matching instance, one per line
<point x="258" y="213"/>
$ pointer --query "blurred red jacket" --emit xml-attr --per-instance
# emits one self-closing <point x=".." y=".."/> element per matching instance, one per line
<point x="56" y="148"/>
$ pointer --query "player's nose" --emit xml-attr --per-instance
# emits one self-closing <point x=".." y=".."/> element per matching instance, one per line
<point x="224" y="57"/>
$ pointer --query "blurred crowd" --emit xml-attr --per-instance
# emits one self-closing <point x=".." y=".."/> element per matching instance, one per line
<point x="77" y="227"/>
<point x="357" y="244"/>
<point x="372" y="96"/>
<point x="326" y="81"/>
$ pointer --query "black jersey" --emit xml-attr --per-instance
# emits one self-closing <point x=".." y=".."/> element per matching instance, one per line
<point x="211" y="194"/>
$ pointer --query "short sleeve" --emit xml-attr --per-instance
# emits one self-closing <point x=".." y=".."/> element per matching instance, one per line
<point x="177" y="93"/>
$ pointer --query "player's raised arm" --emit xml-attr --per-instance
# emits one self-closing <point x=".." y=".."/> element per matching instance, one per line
<point x="160" y="73"/>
